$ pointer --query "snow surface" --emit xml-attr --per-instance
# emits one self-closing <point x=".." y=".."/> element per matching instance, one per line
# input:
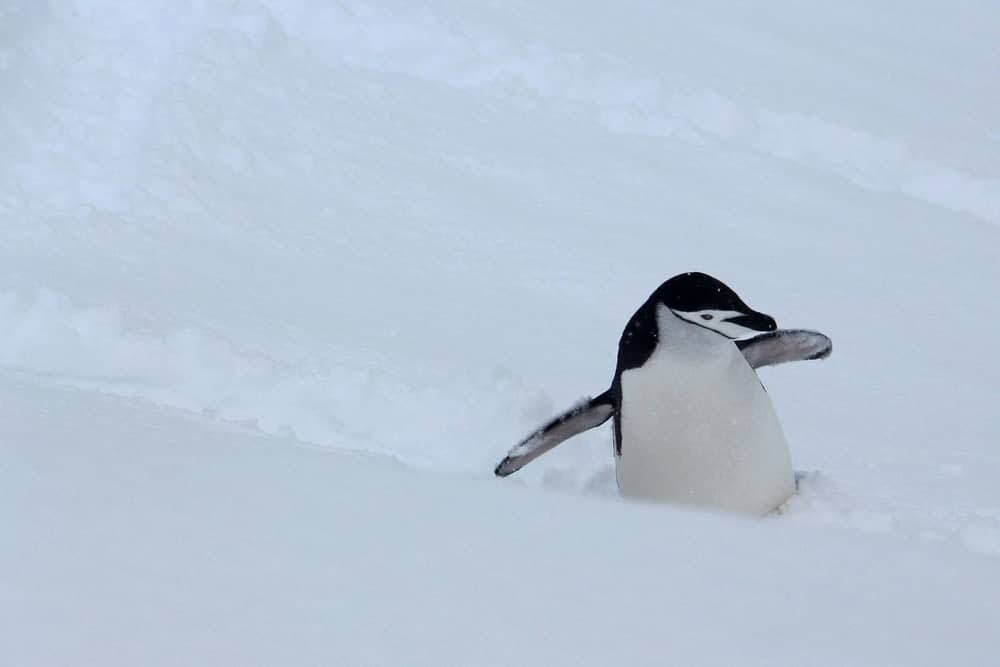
<point x="140" y="535"/>
<point x="328" y="261"/>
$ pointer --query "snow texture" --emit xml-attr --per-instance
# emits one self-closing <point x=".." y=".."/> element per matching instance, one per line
<point x="280" y="282"/>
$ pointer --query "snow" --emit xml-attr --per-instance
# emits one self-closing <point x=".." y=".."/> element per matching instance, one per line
<point x="137" y="534"/>
<point x="278" y="277"/>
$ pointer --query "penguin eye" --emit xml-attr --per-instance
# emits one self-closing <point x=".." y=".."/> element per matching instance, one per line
<point x="706" y="316"/>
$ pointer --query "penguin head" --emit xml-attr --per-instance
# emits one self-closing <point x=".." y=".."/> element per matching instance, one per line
<point x="709" y="303"/>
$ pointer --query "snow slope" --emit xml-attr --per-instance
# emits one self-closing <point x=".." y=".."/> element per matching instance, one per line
<point x="415" y="232"/>
<point x="159" y="538"/>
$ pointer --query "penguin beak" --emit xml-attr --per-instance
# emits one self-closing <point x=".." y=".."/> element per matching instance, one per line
<point x="754" y="321"/>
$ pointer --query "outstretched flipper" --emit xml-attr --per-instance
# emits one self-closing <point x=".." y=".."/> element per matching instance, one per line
<point x="767" y="349"/>
<point x="581" y="417"/>
<point x="784" y="345"/>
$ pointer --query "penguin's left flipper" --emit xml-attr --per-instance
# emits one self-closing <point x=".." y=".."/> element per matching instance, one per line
<point x="581" y="417"/>
<point x="784" y="345"/>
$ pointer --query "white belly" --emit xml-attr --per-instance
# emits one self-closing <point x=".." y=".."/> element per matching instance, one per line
<point x="698" y="428"/>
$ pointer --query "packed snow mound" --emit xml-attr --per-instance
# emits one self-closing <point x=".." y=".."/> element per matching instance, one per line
<point x="101" y="348"/>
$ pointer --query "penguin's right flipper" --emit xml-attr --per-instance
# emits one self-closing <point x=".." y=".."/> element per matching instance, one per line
<point x="581" y="417"/>
<point x="783" y="345"/>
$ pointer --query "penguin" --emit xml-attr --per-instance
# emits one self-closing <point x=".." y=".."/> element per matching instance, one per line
<point x="692" y="422"/>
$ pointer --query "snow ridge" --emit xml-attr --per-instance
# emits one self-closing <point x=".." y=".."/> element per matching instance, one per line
<point x="425" y="45"/>
<point x="624" y="100"/>
<point x="44" y="334"/>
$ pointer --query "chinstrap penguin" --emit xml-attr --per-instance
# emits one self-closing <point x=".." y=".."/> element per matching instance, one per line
<point x="692" y="422"/>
